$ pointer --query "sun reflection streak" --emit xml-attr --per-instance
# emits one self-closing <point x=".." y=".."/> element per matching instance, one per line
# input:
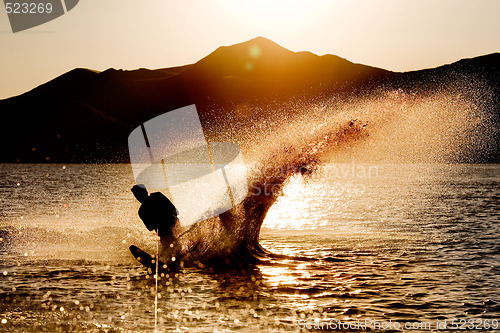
<point x="276" y="275"/>
<point x="301" y="205"/>
<point x="293" y="207"/>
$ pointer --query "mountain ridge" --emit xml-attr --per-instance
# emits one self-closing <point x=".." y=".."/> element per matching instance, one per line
<point x="86" y="116"/>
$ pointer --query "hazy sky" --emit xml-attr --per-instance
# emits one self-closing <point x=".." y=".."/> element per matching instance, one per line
<point x="393" y="34"/>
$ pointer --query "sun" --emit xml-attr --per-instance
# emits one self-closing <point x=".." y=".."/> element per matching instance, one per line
<point x="264" y="16"/>
<point x="274" y="8"/>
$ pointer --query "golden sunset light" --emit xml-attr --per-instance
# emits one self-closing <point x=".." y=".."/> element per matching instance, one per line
<point x="249" y="166"/>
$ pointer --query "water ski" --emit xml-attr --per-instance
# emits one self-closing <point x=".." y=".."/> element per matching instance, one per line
<point x="146" y="259"/>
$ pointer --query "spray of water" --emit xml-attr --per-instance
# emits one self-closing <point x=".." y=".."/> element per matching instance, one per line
<point x="288" y="140"/>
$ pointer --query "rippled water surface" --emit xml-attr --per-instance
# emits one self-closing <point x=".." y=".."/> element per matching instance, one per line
<point x="407" y="243"/>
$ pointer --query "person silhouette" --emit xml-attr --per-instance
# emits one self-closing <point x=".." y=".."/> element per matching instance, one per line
<point x="157" y="212"/>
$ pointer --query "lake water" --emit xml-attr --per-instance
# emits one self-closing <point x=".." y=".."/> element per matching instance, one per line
<point x="382" y="244"/>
